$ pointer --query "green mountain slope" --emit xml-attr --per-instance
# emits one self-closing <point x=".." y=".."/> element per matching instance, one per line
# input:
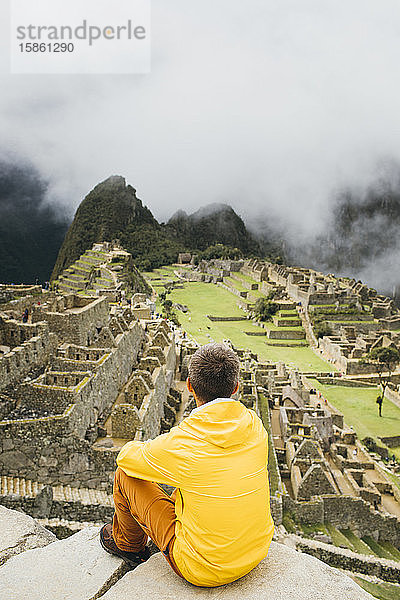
<point x="31" y="231"/>
<point x="215" y="223"/>
<point x="112" y="211"/>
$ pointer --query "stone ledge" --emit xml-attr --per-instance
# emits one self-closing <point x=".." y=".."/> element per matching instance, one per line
<point x="76" y="568"/>
<point x="344" y="558"/>
<point x="284" y="575"/>
<point x="19" y="532"/>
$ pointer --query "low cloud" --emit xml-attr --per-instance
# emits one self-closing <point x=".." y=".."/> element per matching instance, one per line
<point x="269" y="107"/>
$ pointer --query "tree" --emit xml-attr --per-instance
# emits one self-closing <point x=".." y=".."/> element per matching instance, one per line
<point x="322" y="328"/>
<point x="163" y="295"/>
<point x="264" y="309"/>
<point x="220" y="251"/>
<point x="385" y="361"/>
<point x="167" y="305"/>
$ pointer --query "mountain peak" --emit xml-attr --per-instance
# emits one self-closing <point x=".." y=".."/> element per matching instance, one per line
<point x="211" y="224"/>
<point x="114" y="181"/>
<point x="106" y="213"/>
<point x="212" y="209"/>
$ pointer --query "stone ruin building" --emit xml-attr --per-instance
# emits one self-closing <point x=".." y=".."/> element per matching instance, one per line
<point x="359" y="319"/>
<point x="82" y="376"/>
<point x="320" y="473"/>
<point x="91" y="370"/>
<point x="65" y="373"/>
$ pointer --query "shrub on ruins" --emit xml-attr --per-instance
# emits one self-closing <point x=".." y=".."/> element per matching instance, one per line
<point x="273" y="294"/>
<point x="167" y="304"/>
<point x="265" y="309"/>
<point x="221" y="251"/>
<point x="163" y="295"/>
<point x="167" y="307"/>
<point x="385" y="360"/>
<point x="331" y="310"/>
<point x="322" y="328"/>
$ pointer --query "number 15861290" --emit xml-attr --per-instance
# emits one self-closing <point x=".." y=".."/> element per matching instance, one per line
<point x="49" y="47"/>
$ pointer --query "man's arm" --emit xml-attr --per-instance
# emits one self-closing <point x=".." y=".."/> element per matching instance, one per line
<point x="156" y="460"/>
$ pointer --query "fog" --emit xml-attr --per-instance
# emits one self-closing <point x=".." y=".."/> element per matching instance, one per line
<point x="270" y="107"/>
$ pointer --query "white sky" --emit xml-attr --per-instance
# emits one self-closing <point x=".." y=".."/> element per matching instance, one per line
<point x="266" y="105"/>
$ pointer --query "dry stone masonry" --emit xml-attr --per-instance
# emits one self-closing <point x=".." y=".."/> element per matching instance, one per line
<point x="86" y="372"/>
<point x="78" y="569"/>
<point x="93" y="367"/>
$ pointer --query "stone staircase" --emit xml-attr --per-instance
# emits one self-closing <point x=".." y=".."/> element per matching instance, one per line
<point x="77" y="276"/>
<point x="62" y="493"/>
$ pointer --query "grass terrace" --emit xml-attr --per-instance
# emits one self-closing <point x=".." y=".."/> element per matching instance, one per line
<point x="360" y="410"/>
<point x="235" y="284"/>
<point x="382" y="591"/>
<point x="343" y="538"/>
<point x="204" y="299"/>
<point x="246" y="277"/>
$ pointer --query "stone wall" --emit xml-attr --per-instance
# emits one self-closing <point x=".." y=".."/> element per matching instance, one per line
<point x="22" y="359"/>
<point x="214" y="318"/>
<point x="152" y="410"/>
<point x="54" y="449"/>
<point x="341" y="558"/>
<point x="347" y="512"/>
<point x="282" y="334"/>
<point x="392" y="441"/>
<point x="76" y="324"/>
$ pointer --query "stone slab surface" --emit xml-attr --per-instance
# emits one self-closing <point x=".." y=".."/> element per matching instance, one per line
<point x="284" y="575"/>
<point x="76" y="568"/>
<point x="19" y="532"/>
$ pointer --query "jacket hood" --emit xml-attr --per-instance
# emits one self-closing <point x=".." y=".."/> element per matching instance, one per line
<point x="224" y="424"/>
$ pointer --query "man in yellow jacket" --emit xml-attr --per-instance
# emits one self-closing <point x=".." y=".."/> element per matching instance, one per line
<point x="217" y="525"/>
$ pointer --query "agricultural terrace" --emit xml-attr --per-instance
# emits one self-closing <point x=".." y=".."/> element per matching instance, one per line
<point x="360" y="410"/>
<point x="204" y="299"/>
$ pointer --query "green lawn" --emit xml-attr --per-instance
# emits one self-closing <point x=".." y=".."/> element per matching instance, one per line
<point x="246" y="277"/>
<point x="205" y="298"/>
<point x="383" y="591"/>
<point x="360" y="410"/>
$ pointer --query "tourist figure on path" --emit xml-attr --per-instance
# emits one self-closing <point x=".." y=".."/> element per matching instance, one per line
<point x="25" y="316"/>
<point x="379" y="401"/>
<point x="216" y="526"/>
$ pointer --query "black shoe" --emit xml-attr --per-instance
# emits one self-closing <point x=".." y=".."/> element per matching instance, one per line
<point x="133" y="559"/>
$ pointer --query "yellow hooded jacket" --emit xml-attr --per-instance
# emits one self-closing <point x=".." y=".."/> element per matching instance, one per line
<point x="217" y="458"/>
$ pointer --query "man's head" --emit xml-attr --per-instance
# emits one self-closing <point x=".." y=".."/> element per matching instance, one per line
<point x="213" y="373"/>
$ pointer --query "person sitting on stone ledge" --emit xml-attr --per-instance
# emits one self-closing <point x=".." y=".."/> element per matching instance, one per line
<point x="217" y="525"/>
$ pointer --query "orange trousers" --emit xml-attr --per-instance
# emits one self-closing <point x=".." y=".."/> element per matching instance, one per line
<point x="142" y="509"/>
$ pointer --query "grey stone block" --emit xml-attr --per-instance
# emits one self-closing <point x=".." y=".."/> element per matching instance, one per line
<point x="284" y="575"/>
<point x="19" y="532"/>
<point x="76" y="568"/>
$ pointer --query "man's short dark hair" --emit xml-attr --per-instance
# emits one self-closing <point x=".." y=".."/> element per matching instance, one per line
<point x="214" y="372"/>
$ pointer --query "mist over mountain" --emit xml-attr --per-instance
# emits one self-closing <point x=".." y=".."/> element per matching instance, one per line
<point x="31" y="231"/>
<point x="113" y="211"/>
<point x="362" y="235"/>
<point x="214" y="223"/>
